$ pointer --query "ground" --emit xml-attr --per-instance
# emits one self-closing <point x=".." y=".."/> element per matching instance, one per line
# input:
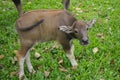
<point x="100" y="60"/>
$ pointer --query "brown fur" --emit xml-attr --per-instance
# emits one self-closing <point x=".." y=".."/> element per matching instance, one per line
<point x="46" y="25"/>
<point x="52" y="20"/>
<point x="57" y="25"/>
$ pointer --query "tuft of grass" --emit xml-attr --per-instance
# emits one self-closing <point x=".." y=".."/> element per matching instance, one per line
<point x="103" y="65"/>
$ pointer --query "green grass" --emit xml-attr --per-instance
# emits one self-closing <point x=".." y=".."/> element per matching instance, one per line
<point x="104" y="65"/>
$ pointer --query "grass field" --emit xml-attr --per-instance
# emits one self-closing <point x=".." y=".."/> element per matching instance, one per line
<point x="100" y="60"/>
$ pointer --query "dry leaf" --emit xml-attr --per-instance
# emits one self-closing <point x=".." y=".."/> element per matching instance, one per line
<point x="79" y="10"/>
<point x="46" y="73"/>
<point x="29" y="2"/>
<point x="77" y="14"/>
<point x="99" y="21"/>
<point x="1" y="57"/>
<point x="39" y="67"/>
<point x="33" y="48"/>
<point x="103" y="37"/>
<point x="51" y="69"/>
<point x="60" y="61"/>
<point x="37" y="55"/>
<point x="14" y="60"/>
<point x="95" y="50"/>
<point x="15" y="51"/>
<point x="13" y="74"/>
<point x="100" y="35"/>
<point x="4" y="10"/>
<point x="101" y="79"/>
<point x="46" y="49"/>
<point x="68" y="76"/>
<point x="56" y="45"/>
<point x="106" y="21"/>
<point x="1" y="66"/>
<point x="110" y="28"/>
<point x="119" y="69"/>
<point x="112" y="62"/>
<point x="74" y="67"/>
<point x="101" y="71"/>
<point x="62" y="69"/>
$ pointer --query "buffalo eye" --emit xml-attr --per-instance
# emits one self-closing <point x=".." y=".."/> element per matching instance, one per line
<point x="76" y="31"/>
<point x="87" y="28"/>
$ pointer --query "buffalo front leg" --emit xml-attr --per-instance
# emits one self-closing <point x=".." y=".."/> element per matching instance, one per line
<point x="69" y="49"/>
<point x="20" y="60"/>
<point x="66" y="3"/>
<point x="71" y="57"/>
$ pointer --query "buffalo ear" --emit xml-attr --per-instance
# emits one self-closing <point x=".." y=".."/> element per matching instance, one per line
<point x="66" y="29"/>
<point x="91" y="23"/>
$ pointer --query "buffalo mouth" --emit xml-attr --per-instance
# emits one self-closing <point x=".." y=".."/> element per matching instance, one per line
<point x="82" y="42"/>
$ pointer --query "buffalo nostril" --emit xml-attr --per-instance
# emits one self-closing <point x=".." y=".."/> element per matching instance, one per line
<point x="85" y="41"/>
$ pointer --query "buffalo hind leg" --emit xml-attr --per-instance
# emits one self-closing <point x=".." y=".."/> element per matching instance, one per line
<point x="28" y="62"/>
<point x="66" y="4"/>
<point x="21" y="56"/>
<point x="18" y="6"/>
